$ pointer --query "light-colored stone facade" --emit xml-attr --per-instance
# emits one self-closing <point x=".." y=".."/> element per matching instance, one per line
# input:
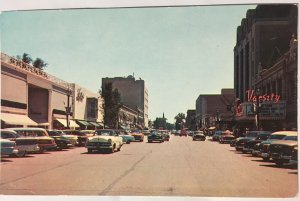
<point x="36" y="98"/>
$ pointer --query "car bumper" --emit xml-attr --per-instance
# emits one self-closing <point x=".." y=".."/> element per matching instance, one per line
<point x="100" y="147"/>
<point x="5" y="151"/>
<point x="265" y="155"/>
<point x="280" y="156"/>
<point x="28" y="148"/>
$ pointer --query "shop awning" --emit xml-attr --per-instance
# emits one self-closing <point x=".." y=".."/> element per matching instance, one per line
<point x="64" y="123"/>
<point x="17" y="119"/>
<point x="94" y="124"/>
<point x="82" y="122"/>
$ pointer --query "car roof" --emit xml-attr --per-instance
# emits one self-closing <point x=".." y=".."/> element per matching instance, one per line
<point x="287" y="133"/>
<point x="26" y="129"/>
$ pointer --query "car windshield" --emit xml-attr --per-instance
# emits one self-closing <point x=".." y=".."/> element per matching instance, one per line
<point x="262" y="137"/>
<point x="32" y="133"/>
<point x="294" y="138"/>
<point x="53" y="133"/>
<point x="105" y="132"/>
<point x="276" y="137"/>
<point x="252" y="134"/>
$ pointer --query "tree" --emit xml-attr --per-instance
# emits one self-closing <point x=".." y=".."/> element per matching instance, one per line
<point x="25" y="58"/>
<point x="39" y="63"/>
<point x="111" y="105"/>
<point x="160" y="123"/>
<point x="180" y="119"/>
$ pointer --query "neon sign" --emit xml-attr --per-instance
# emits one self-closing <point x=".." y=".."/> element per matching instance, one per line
<point x="266" y="97"/>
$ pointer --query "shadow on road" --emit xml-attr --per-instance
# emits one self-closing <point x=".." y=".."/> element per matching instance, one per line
<point x="97" y="152"/>
<point x="5" y="160"/>
<point x="281" y="167"/>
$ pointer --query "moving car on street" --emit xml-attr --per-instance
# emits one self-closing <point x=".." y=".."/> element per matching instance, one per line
<point x="199" y="135"/>
<point x="155" y="137"/>
<point x="226" y="137"/>
<point x="165" y="134"/>
<point x="104" y="139"/>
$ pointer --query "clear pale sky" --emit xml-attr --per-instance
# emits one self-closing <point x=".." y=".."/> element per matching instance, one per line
<point x="180" y="52"/>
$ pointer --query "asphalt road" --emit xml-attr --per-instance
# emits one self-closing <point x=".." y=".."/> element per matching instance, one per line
<point x="180" y="167"/>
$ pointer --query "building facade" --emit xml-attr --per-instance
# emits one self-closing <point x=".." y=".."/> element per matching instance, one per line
<point x="31" y="97"/>
<point x="212" y="110"/>
<point x="134" y="95"/>
<point x="266" y="60"/>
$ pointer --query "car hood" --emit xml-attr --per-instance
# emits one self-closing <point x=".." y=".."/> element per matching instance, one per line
<point x="285" y="142"/>
<point x="245" y="138"/>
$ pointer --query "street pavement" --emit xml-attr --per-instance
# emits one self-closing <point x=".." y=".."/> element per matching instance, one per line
<point x="180" y="167"/>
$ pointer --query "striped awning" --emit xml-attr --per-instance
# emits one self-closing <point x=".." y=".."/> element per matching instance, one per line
<point x="82" y="122"/>
<point x="17" y="119"/>
<point x="64" y="123"/>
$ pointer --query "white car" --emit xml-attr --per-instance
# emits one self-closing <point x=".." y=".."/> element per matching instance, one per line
<point x="105" y="139"/>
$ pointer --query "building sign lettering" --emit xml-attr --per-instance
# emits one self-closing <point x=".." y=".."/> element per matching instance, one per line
<point x="266" y="97"/>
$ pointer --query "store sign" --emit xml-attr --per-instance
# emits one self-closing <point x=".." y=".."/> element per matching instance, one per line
<point x="267" y="109"/>
<point x="265" y="97"/>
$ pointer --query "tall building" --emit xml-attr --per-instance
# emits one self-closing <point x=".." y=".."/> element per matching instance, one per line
<point x="265" y="59"/>
<point x="134" y="95"/>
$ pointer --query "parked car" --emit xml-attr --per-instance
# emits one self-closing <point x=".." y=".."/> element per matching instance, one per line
<point x="281" y="151"/>
<point x="8" y="147"/>
<point x="249" y="144"/>
<point x="216" y="135"/>
<point x="104" y="139"/>
<point x="264" y="145"/>
<point x="240" y="142"/>
<point x="199" y="135"/>
<point x="177" y="133"/>
<point x="138" y="136"/>
<point x="226" y="137"/>
<point x="146" y="132"/>
<point x="125" y="136"/>
<point x="81" y="136"/>
<point x="62" y="140"/>
<point x="88" y="133"/>
<point x="24" y="145"/>
<point x="31" y="134"/>
<point x="155" y="137"/>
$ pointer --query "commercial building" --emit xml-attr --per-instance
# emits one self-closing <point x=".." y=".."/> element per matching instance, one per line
<point x="134" y="95"/>
<point x="265" y="61"/>
<point x="212" y="110"/>
<point x="31" y="97"/>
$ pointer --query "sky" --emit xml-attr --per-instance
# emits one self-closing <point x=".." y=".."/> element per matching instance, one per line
<point x="180" y="52"/>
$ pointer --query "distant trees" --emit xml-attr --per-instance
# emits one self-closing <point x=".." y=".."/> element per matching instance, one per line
<point x="179" y="120"/>
<point x="38" y="62"/>
<point x="111" y="105"/>
<point x="160" y="122"/>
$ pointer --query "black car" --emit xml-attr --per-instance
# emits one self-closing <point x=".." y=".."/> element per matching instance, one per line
<point x="81" y="137"/>
<point x="251" y="135"/>
<point x="61" y="141"/>
<point x="249" y="145"/>
<point x="155" y="136"/>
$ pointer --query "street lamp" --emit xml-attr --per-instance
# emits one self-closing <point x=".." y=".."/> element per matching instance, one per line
<point x="257" y="93"/>
<point x="68" y="107"/>
<point x="218" y="120"/>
